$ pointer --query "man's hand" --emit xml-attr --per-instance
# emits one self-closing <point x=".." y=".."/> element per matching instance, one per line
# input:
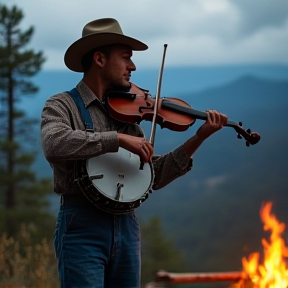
<point x="215" y="121"/>
<point x="136" y="145"/>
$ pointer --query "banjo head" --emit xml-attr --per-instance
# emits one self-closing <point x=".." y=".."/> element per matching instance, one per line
<point x="118" y="176"/>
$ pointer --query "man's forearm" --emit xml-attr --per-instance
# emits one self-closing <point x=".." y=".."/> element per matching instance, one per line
<point x="192" y="144"/>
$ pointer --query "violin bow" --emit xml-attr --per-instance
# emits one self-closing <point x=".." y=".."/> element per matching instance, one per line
<point x="156" y="106"/>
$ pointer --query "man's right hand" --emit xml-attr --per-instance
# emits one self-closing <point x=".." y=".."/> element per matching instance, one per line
<point x="136" y="145"/>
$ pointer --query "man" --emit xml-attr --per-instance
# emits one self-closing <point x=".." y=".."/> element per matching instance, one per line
<point x="96" y="248"/>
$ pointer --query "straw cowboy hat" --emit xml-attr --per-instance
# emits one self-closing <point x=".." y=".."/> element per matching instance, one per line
<point x="95" y="34"/>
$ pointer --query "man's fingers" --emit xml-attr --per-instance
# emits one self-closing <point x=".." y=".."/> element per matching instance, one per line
<point x="209" y="119"/>
<point x="214" y="117"/>
<point x="147" y="151"/>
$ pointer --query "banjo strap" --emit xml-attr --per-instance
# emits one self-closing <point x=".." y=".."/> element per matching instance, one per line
<point x="86" y="117"/>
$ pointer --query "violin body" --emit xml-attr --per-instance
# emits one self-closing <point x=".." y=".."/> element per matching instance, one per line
<point x="138" y="105"/>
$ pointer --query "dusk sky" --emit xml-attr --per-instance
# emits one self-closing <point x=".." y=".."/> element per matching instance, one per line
<point x="198" y="32"/>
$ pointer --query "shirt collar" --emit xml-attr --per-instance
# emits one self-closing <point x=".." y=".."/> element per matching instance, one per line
<point x="86" y="93"/>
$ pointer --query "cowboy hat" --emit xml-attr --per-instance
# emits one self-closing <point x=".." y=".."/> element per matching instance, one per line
<point x="95" y="34"/>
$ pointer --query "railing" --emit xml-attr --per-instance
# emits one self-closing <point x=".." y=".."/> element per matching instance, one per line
<point x="185" y="278"/>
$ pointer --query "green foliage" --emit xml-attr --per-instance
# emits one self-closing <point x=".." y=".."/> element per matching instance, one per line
<point x="158" y="251"/>
<point x="32" y="208"/>
<point x="24" y="263"/>
<point x="15" y="60"/>
<point x="23" y="196"/>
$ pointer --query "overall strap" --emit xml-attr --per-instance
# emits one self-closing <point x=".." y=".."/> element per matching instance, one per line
<point x="86" y="117"/>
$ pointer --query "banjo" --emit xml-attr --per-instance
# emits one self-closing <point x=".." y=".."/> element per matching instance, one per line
<point x="116" y="182"/>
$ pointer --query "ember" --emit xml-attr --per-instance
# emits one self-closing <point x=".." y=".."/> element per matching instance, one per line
<point x="273" y="272"/>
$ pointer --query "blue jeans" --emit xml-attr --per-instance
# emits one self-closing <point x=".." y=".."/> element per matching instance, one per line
<point x="97" y="249"/>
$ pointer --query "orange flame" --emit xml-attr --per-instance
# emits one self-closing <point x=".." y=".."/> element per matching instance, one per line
<point x="273" y="273"/>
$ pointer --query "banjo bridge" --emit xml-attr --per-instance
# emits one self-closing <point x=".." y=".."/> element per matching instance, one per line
<point x="119" y="195"/>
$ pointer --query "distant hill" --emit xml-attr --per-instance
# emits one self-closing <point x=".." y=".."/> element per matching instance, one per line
<point x="212" y="212"/>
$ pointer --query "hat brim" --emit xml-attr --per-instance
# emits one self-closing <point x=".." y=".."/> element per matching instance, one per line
<point x="79" y="48"/>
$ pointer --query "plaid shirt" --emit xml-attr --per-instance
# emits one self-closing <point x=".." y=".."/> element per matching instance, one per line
<point x="64" y="140"/>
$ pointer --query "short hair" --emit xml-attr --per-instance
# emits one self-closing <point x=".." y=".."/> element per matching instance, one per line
<point x="87" y="59"/>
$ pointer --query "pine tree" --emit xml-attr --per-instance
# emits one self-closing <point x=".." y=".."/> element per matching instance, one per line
<point x="22" y="196"/>
<point x="158" y="251"/>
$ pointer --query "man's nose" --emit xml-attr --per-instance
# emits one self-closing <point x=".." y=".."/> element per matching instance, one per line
<point x="132" y="66"/>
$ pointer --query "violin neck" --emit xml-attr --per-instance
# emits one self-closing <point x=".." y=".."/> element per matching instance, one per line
<point x="190" y="111"/>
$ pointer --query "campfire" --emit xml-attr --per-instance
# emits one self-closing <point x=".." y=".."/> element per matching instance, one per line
<point x="272" y="272"/>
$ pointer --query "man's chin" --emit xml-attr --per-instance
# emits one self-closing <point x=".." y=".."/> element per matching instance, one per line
<point x="123" y="87"/>
<point x="126" y="83"/>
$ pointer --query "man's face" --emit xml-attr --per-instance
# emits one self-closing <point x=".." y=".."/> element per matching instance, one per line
<point x="118" y="67"/>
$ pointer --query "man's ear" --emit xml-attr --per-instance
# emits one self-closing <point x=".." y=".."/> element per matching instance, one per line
<point x="99" y="58"/>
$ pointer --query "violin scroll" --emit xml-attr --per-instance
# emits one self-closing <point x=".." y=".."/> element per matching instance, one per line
<point x="251" y="138"/>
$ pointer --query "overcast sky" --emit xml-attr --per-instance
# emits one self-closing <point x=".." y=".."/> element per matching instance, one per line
<point x="198" y="32"/>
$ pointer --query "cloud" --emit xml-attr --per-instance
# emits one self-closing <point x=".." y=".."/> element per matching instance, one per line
<point x="261" y="14"/>
<point x="198" y="32"/>
<point x="209" y="183"/>
<point x="215" y="181"/>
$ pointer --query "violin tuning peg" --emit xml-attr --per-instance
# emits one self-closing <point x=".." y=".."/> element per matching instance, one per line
<point x="247" y="144"/>
<point x="240" y="124"/>
<point x="248" y="131"/>
<point x="239" y="136"/>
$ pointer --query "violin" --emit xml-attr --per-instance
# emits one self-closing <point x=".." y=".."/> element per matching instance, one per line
<point x="172" y="113"/>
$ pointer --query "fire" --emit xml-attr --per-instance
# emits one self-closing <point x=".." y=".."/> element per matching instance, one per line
<point x="273" y="272"/>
